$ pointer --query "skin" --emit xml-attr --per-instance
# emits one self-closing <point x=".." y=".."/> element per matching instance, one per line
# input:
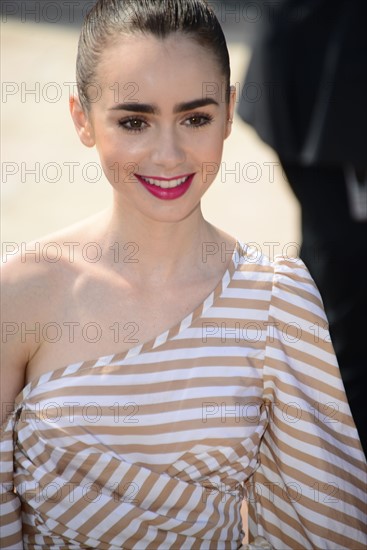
<point x="160" y="276"/>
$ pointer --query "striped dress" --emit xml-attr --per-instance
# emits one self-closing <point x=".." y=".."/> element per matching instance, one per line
<point x="157" y="447"/>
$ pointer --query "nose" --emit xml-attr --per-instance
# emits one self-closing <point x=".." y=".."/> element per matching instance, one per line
<point x="168" y="150"/>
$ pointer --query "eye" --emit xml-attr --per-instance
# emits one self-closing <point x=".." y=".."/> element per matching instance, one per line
<point x="133" y="124"/>
<point x="197" y="120"/>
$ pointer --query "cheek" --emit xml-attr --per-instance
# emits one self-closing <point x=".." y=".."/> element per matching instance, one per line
<point x="118" y="160"/>
<point x="120" y="173"/>
<point x="211" y="156"/>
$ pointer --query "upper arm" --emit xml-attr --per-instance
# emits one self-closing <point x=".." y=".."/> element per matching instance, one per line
<point x="17" y="309"/>
<point x="310" y="481"/>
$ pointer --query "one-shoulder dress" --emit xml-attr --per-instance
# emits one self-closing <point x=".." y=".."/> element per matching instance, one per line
<point x="156" y="447"/>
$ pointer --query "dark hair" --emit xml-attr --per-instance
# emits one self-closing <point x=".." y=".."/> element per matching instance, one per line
<point x="110" y="18"/>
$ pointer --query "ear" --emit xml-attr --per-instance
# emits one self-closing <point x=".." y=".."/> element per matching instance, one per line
<point x="230" y="110"/>
<point x="82" y="122"/>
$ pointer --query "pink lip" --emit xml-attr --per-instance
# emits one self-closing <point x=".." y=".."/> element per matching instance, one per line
<point x="167" y="194"/>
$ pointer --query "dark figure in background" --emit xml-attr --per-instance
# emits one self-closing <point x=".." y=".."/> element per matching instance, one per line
<point x="309" y="71"/>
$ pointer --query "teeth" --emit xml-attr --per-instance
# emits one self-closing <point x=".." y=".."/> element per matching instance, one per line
<point x="165" y="184"/>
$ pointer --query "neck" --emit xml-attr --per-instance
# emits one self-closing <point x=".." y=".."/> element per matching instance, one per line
<point x="152" y="250"/>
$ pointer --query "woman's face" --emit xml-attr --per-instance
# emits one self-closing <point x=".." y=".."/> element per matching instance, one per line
<point x="158" y="118"/>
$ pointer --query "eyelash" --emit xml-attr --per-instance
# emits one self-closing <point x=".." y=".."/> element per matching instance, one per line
<point x="206" y="118"/>
<point x="121" y="123"/>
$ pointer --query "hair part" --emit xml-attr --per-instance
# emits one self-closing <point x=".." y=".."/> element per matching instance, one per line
<point x="109" y="19"/>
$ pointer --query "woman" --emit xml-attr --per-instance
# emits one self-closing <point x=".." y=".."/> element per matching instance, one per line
<point x="194" y="378"/>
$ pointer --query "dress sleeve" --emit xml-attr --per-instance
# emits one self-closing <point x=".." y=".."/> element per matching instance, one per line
<point x="309" y="491"/>
<point x="10" y="510"/>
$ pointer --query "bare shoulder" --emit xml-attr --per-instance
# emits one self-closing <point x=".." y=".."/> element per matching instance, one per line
<point x="25" y="288"/>
<point x="36" y="281"/>
<point x="35" y="269"/>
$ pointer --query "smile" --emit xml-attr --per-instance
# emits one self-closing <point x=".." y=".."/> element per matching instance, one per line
<point x="166" y="188"/>
<point x="166" y="183"/>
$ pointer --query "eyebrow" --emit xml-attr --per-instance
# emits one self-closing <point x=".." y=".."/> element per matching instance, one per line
<point x="154" y="110"/>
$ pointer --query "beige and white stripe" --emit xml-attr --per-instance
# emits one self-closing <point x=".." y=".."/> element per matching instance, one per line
<point x="155" y="448"/>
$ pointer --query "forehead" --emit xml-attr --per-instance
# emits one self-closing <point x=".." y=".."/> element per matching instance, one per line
<point x="175" y="67"/>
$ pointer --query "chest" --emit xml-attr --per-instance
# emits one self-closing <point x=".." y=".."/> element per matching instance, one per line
<point x="98" y="317"/>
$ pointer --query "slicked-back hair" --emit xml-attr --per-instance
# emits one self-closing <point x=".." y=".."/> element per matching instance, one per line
<point x="110" y="19"/>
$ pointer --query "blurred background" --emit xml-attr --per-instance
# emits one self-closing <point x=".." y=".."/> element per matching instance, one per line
<point x="50" y="180"/>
